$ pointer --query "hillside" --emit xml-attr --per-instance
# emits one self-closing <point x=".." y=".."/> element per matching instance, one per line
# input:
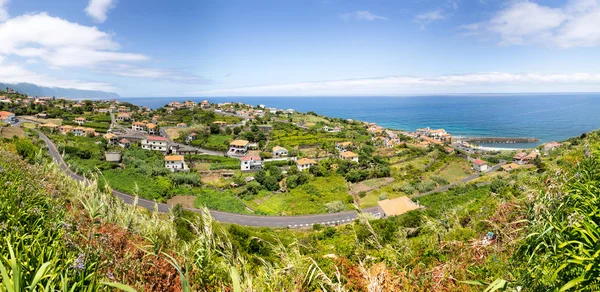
<point x="35" y="90"/>
<point x="530" y="229"/>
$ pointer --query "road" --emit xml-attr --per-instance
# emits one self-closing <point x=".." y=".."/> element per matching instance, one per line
<point x="247" y="220"/>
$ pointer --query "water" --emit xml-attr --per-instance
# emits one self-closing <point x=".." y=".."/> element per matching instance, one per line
<point x="547" y="117"/>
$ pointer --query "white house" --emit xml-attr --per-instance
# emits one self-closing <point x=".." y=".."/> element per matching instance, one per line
<point x="279" y="151"/>
<point x="138" y="126"/>
<point x="80" y="120"/>
<point x="343" y="146"/>
<point x="305" y="163"/>
<point x="480" y="165"/>
<point x="349" y="155"/>
<point x="111" y="139"/>
<point x="156" y="143"/>
<point x="191" y="137"/>
<point x="238" y="147"/>
<point x="152" y="129"/>
<point x="7" y="117"/>
<point x="123" y="117"/>
<point x="124" y="143"/>
<point x="175" y="163"/>
<point x="250" y="163"/>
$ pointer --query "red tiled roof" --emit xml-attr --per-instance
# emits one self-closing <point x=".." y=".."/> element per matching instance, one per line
<point x="248" y="158"/>
<point x="157" y="138"/>
<point x="479" y="162"/>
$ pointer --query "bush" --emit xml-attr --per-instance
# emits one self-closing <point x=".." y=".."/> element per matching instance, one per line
<point x="191" y="179"/>
<point x="335" y="207"/>
<point x="362" y="194"/>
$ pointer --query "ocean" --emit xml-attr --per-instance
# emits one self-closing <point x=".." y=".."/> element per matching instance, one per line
<point x="547" y="117"/>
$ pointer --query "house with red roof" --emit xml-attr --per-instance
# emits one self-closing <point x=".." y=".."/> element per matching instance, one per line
<point x="156" y="143"/>
<point x="251" y="163"/>
<point x="480" y="165"/>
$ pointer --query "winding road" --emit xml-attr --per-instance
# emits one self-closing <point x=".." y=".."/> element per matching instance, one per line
<point x="240" y="219"/>
<point x="304" y="221"/>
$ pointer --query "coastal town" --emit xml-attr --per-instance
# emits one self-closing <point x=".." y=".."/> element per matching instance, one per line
<point x="255" y="159"/>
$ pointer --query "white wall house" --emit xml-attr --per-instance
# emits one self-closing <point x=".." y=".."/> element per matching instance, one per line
<point x="279" y="151"/>
<point x="156" y="143"/>
<point x="305" y="163"/>
<point x="238" y="147"/>
<point x="480" y="165"/>
<point x="251" y="163"/>
<point x="349" y="155"/>
<point x="138" y="126"/>
<point x="123" y="117"/>
<point x="175" y="163"/>
<point x="7" y="117"/>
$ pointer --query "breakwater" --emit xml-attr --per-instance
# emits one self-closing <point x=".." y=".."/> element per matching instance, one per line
<point x="500" y="140"/>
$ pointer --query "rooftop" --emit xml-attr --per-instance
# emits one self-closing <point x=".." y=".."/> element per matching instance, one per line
<point x="174" y="158"/>
<point x="305" y="161"/>
<point x="242" y="143"/>
<point x="397" y="206"/>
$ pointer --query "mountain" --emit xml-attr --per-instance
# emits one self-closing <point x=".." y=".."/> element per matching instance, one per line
<point x="35" y="90"/>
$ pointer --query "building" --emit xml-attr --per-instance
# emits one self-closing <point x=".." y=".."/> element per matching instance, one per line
<point x="80" y="120"/>
<point x="41" y="116"/>
<point x="551" y="146"/>
<point x="305" y="163"/>
<point x="152" y="129"/>
<point x="124" y="143"/>
<point x="480" y="165"/>
<point x="343" y="146"/>
<point x="156" y="143"/>
<point x="112" y="156"/>
<point x="205" y="104"/>
<point x="510" y="167"/>
<point x="191" y="137"/>
<point x="397" y="206"/>
<point x="123" y="117"/>
<point x="138" y="126"/>
<point x="182" y="125"/>
<point x="530" y="157"/>
<point x="349" y="156"/>
<point x="279" y="151"/>
<point x="238" y="147"/>
<point x="251" y="163"/>
<point x="175" y="163"/>
<point x="519" y="157"/>
<point x="7" y="117"/>
<point x="64" y="129"/>
<point x="111" y="139"/>
<point x="52" y="127"/>
<point x="82" y="131"/>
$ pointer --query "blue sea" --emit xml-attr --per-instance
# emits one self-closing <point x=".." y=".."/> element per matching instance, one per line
<point x="547" y="117"/>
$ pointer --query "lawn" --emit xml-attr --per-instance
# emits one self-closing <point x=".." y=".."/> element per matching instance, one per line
<point x="219" y="200"/>
<point x="309" y="198"/>
<point x="218" y="142"/>
<point x="456" y="169"/>
<point x="372" y="197"/>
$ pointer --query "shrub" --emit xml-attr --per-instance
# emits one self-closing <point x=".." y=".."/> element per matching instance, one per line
<point x="335" y="207"/>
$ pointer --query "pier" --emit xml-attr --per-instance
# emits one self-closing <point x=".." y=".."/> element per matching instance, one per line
<point x="500" y="140"/>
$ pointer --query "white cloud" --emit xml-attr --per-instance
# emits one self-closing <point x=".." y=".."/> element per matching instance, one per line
<point x="361" y="15"/>
<point x="159" y="74"/>
<point x="97" y="9"/>
<point x="3" y="10"/>
<point x="428" y="17"/>
<point x="494" y="82"/>
<point x="575" y="24"/>
<point x="13" y="73"/>
<point x="60" y="42"/>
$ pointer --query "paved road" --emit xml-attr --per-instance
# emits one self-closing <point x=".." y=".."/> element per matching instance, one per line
<point x="248" y="220"/>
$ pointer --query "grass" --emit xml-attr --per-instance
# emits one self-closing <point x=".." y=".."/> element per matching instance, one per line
<point x="309" y="198"/>
<point x="9" y="132"/>
<point x="218" y="142"/>
<point x="218" y="200"/>
<point x="456" y="169"/>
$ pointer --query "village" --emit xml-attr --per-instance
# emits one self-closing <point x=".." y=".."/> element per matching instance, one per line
<point x="255" y="159"/>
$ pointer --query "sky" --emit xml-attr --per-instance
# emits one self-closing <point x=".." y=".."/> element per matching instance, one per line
<point x="147" y="48"/>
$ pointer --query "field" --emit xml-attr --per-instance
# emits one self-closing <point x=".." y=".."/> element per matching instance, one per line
<point x="9" y="132"/>
<point x="173" y="133"/>
<point x="455" y="170"/>
<point x="309" y="198"/>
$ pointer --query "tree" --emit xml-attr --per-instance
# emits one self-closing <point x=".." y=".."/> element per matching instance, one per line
<point x="214" y="129"/>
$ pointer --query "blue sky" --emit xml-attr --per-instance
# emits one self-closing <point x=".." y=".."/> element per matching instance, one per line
<point x="327" y="47"/>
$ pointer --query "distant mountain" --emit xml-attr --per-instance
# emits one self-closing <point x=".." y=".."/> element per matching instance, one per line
<point x="34" y="90"/>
